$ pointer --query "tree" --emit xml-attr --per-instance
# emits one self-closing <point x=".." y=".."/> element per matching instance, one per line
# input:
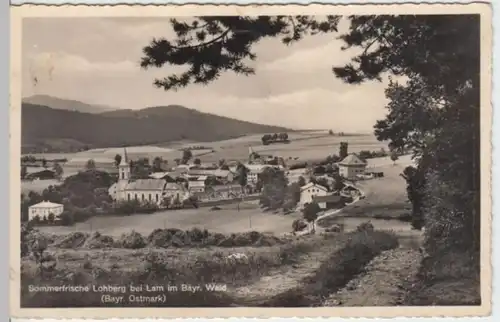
<point x="186" y="156"/>
<point x="51" y="218"/>
<point x="58" y="169"/>
<point x="266" y="139"/>
<point x="44" y="163"/>
<point x="394" y="157"/>
<point x="274" y="185"/>
<point x="177" y="161"/>
<point x="212" y="45"/>
<point x="343" y="150"/>
<point x="36" y="219"/>
<point x="415" y="185"/>
<point x="310" y="213"/>
<point x="301" y="181"/>
<point x="157" y="164"/>
<point x="197" y="161"/>
<point x="292" y="196"/>
<point x="330" y="132"/>
<point x="90" y="165"/>
<point x="118" y="159"/>
<point x="24" y="172"/>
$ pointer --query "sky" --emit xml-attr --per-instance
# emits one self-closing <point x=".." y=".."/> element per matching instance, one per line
<point x="96" y="61"/>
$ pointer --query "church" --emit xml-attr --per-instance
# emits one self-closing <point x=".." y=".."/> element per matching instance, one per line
<point x="144" y="190"/>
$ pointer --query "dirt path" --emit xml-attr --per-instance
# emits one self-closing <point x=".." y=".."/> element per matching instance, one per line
<point x="284" y="278"/>
<point x="382" y="283"/>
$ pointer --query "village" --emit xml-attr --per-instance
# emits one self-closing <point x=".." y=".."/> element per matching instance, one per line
<point x="330" y="184"/>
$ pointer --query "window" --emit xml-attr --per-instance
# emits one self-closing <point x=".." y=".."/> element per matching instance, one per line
<point x="128" y="196"/>
<point x="123" y="174"/>
<point x="135" y="197"/>
<point x="157" y="197"/>
<point x="149" y="197"/>
<point x="142" y="196"/>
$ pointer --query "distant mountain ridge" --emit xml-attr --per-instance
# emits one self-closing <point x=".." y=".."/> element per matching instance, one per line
<point x="59" y="130"/>
<point x="66" y="104"/>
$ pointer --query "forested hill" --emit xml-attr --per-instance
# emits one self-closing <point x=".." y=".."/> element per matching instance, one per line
<point x="48" y="127"/>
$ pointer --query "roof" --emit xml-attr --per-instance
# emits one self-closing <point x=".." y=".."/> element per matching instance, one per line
<point x="46" y="204"/>
<point x="352" y="160"/>
<point x="327" y="198"/>
<point x="124" y="160"/>
<point x="226" y="187"/>
<point x="32" y="170"/>
<point x="311" y="184"/>
<point x="159" y="175"/>
<point x="146" y="184"/>
<point x="173" y="186"/>
<point x="196" y="184"/>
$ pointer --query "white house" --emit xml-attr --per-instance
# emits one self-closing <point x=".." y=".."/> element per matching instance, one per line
<point x="351" y="167"/>
<point x="44" y="208"/>
<point x="197" y="186"/>
<point x="309" y="191"/>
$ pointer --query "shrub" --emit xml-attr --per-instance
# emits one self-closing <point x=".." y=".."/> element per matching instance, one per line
<point x="133" y="240"/>
<point x="366" y="227"/>
<point x="72" y="240"/>
<point x="298" y="225"/>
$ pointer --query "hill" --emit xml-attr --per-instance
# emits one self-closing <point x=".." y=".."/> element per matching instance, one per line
<point x="65" y="104"/>
<point x="43" y="126"/>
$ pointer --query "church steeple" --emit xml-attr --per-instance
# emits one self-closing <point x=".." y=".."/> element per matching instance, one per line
<point x="124" y="167"/>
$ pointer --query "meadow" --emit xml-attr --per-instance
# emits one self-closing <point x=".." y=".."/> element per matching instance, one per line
<point x="227" y="220"/>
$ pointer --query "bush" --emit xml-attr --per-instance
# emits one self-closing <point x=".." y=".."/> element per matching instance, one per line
<point x="365" y="227"/>
<point x="97" y="241"/>
<point x="72" y="240"/>
<point x="299" y="225"/>
<point x="133" y="240"/>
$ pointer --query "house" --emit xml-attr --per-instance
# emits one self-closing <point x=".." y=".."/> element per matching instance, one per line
<point x="224" y="191"/>
<point x="224" y="176"/>
<point x="44" y="209"/>
<point x="351" y="166"/>
<point x="152" y="190"/>
<point x="254" y="170"/>
<point x="310" y="191"/>
<point x="329" y="201"/>
<point x="163" y="175"/>
<point x="197" y="185"/>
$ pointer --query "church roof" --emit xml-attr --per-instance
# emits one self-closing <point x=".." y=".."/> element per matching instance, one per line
<point x="146" y="184"/>
<point x="352" y="159"/>
<point x="124" y="161"/>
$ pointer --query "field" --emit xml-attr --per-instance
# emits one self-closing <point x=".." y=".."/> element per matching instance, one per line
<point x="227" y="220"/>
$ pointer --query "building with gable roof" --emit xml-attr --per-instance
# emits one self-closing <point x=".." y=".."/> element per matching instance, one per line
<point x="44" y="209"/>
<point x="351" y="166"/>
<point x="311" y="191"/>
<point x="152" y="190"/>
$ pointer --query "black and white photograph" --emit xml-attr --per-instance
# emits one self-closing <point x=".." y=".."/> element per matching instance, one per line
<point x="329" y="158"/>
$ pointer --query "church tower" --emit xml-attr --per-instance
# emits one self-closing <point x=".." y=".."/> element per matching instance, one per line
<point x="124" y="167"/>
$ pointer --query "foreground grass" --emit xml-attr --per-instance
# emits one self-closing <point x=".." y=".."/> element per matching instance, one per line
<point x="447" y="278"/>
<point x="175" y="267"/>
<point x="155" y="266"/>
<point x="340" y="267"/>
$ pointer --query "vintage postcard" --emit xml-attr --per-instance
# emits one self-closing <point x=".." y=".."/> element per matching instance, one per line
<point x="251" y="161"/>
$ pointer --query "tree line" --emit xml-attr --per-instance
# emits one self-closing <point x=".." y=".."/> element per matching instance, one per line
<point x="274" y="138"/>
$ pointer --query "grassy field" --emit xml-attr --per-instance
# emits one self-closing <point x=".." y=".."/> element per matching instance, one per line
<point x="303" y="145"/>
<point x="227" y="220"/>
